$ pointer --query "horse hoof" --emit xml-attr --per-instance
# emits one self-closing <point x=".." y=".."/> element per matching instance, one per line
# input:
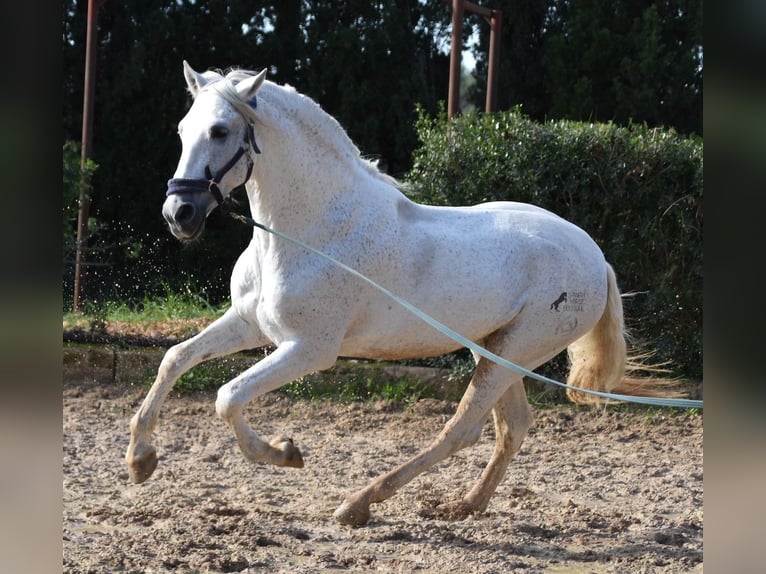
<point x="141" y="467"/>
<point x="291" y="456"/>
<point x="351" y="515"/>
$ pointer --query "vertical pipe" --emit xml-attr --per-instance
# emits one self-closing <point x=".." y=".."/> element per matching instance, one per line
<point x="453" y="101"/>
<point x="87" y="130"/>
<point x="495" y="26"/>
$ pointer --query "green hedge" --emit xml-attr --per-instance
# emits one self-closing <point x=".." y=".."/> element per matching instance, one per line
<point x="637" y="191"/>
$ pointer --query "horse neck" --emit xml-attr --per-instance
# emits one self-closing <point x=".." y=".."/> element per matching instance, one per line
<point x="308" y="167"/>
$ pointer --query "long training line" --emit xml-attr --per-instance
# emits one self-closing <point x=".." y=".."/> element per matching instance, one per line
<point x="454" y="335"/>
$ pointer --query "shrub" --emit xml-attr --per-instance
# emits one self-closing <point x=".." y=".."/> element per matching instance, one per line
<point x="637" y="191"/>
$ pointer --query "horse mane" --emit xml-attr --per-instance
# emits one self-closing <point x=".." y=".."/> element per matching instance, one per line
<point x="224" y="84"/>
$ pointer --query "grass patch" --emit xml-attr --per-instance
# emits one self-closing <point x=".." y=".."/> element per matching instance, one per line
<point x="168" y="311"/>
<point x="171" y="306"/>
<point x="347" y="388"/>
<point x="360" y="387"/>
<point x="207" y="377"/>
<point x="343" y="384"/>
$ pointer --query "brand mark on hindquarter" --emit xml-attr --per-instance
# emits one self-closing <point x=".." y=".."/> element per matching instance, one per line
<point x="569" y="301"/>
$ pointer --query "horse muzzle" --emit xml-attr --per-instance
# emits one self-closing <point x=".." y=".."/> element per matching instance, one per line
<point x="186" y="212"/>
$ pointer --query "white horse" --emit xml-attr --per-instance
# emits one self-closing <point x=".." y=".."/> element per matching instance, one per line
<point x="493" y="272"/>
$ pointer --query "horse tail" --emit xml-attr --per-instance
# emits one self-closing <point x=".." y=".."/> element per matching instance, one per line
<point x="600" y="361"/>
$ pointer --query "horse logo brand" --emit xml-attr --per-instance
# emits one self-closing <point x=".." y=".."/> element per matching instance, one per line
<point x="562" y="299"/>
<point x="572" y="301"/>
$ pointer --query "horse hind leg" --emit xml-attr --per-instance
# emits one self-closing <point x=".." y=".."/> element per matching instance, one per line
<point x="512" y="416"/>
<point x="462" y="430"/>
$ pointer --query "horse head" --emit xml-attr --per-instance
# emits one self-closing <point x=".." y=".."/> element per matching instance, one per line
<point x="218" y="148"/>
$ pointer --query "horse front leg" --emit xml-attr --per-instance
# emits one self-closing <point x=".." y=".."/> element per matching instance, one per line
<point x="290" y="361"/>
<point x="226" y="335"/>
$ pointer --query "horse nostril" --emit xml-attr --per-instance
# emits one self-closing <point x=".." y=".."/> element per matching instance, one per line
<point x="185" y="213"/>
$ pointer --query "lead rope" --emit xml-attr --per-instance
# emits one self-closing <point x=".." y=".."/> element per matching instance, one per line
<point x="455" y="336"/>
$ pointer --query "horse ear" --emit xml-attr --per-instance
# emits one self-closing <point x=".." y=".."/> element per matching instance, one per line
<point x="247" y="88"/>
<point x="194" y="81"/>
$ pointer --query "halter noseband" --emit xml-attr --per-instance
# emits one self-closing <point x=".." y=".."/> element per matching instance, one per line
<point x="182" y="185"/>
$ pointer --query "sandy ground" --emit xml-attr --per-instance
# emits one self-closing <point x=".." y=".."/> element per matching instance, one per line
<point x="592" y="490"/>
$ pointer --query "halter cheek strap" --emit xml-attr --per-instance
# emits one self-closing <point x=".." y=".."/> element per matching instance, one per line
<point x="182" y="185"/>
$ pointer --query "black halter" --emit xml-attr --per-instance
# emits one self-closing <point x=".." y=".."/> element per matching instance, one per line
<point x="181" y="185"/>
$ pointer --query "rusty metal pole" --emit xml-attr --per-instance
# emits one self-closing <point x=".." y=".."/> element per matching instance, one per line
<point x="83" y="212"/>
<point x="495" y="29"/>
<point x="495" y="19"/>
<point x="453" y="101"/>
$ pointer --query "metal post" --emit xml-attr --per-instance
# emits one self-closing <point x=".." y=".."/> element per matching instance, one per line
<point x="453" y="101"/>
<point x="87" y="131"/>
<point x="495" y="27"/>
<point x="495" y="19"/>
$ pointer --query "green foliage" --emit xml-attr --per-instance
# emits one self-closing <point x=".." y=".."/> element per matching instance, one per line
<point x="76" y="180"/>
<point x="637" y="191"/>
<point x="205" y="377"/>
<point x="173" y="305"/>
<point x="170" y="305"/>
<point x="632" y="61"/>
<point x="600" y="60"/>
<point x="354" y="387"/>
<point x="349" y="387"/>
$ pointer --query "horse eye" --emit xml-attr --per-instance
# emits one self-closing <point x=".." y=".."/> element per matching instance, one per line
<point x="218" y="132"/>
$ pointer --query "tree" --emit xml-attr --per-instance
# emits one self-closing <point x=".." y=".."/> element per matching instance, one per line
<point x="626" y="61"/>
<point x="601" y="61"/>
